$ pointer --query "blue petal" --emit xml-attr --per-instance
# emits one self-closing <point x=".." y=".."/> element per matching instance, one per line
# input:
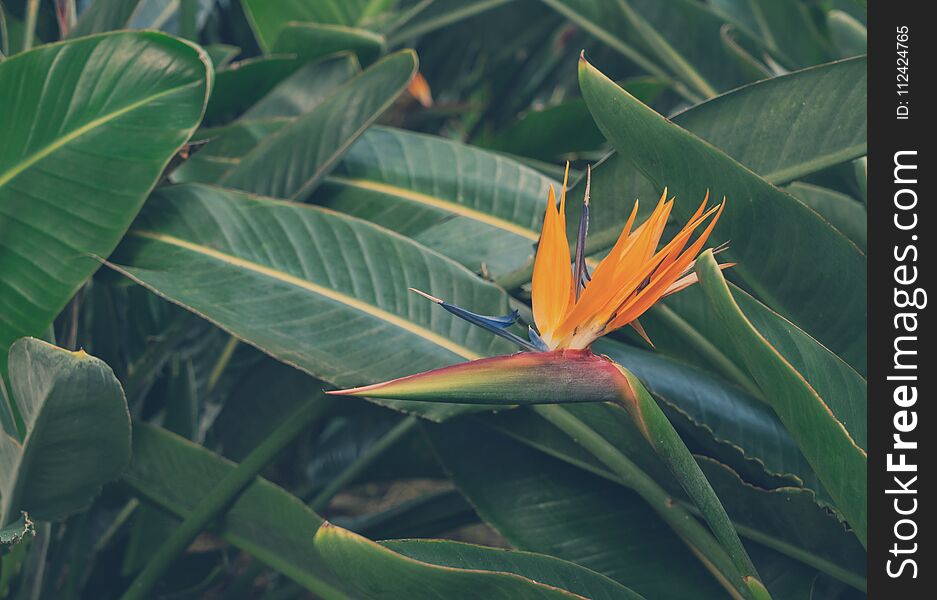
<point x="496" y="325"/>
<point x="536" y="340"/>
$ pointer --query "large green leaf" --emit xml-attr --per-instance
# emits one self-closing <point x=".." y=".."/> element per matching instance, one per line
<point x="679" y="36"/>
<point x="315" y="40"/>
<point x="224" y="148"/>
<point x="435" y="570"/>
<point x="540" y="504"/>
<point x="794" y="142"/>
<point x="281" y="531"/>
<point x="822" y="407"/>
<point x="268" y="19"/>
<point x="476" y="207"/>
<point x="239" y="85"/>
<point x="305" y="89"/>
<point x="130" y="101"/>
<point x="293" y="94"/>
<point x="290" y="163"/>
<point x="766" y="127"/>
<point x="759" y="219"/>
<point x="836" y="381"/>
<point x="315" y="289"/>
<point x="735" y="420"/>
<point x="786" y="519"/>
<point x="564" y="128"/>
<point x="77" y="432"/>
<point x="842" y="211"/>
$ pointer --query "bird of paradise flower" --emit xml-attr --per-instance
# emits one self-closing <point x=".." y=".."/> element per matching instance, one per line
<point x="571" y="309"/>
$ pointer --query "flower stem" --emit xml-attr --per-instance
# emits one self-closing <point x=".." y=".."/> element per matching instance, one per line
<point x="691" y="531"/>
<point x="660" y="433"/>
<point x="224" y="495"/>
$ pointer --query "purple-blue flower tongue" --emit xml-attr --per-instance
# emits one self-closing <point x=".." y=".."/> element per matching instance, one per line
<point x="497" y="325"/>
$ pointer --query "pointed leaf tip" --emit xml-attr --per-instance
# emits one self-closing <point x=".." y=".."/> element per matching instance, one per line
<point x="425" y="295"/>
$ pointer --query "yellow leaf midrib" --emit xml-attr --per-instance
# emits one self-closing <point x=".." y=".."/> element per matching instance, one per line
<point x="435" y="202"/>
<point x="71" y="136"/>
<point x="315" y="288"/>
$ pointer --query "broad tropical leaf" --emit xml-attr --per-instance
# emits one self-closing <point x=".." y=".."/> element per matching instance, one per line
<point x="794" y="141"/>
<point x="305" y="89"/>
<point x="539" y="504"/>
<point x="77" y="432"/>
<point x="842" y="211"/>
<point x="132" y="100"/>
<point x="268" y="19"/>
<point x="476" y="207"/>
<point x="290" y="163"/>
<point x="315" y="40"/>
<point x="562" y="376"/>
<point x="783" y="139"/>
<point x="224" y="148"/>
<point x="776" y="517"/>
<point x="241" y="84"/>
<point x="798" y="284"/>
<point x="823" y="408"/>
<point x="280" y="530"/>
<point x="321" y="293"/>
<point x="735" y="419"/>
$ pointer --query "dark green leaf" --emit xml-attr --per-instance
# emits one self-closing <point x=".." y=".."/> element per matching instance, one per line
<point x="131" y="100"/>
<point x="77" y="432"/>
<point x="314" y="40"/>
<point x="268" y="19"/>
<point x="758" y="219"/>
<point x="290" y="163"/>
<point x="323" y="291"/>
<point x="281" y="531"/>
<point x="823" y="407"/>
<point x="842" y="211"/>
<point x="542" y="505"/>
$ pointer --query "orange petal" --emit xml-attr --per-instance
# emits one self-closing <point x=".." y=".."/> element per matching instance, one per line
<point x="688" y="280"/>
<point x="636" y="325"/>
<point x="626" y="256"/>
<point x="634" y="272"/>
<point x="553" y="277"/>
<point x="419" y="89"/>
<point x="635" y="307"/>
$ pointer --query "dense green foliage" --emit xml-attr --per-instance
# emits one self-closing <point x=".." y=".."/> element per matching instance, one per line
<point x="211" y="211"/>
